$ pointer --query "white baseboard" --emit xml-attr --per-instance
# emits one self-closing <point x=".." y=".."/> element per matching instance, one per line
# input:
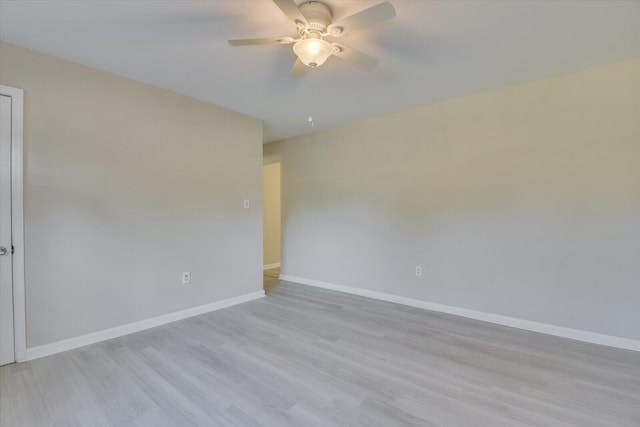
<point x="270" y="266"/>
<point x="118" y="331"/>
<point x="559" y="331"/>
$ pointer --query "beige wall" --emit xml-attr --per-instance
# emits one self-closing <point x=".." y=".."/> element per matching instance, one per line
<point x="271" y="153"/>
<point x="127" y="186"/>
<point x="522" y="201"/>
<point x="271" y="218"/>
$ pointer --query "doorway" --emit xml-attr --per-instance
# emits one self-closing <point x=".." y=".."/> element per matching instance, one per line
<point x="12" y="308"/>
<point x="271" y="225"/>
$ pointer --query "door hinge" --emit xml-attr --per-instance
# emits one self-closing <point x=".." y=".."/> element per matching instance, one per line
<point x="13" y="249"/>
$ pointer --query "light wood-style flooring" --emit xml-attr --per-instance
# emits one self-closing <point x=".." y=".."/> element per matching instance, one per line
<point x="311" y="357"/>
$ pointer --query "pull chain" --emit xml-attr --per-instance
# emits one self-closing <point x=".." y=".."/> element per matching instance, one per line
<point x="312" y="102"/>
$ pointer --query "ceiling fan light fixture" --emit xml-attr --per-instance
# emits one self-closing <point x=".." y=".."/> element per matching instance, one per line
<point x="314" y="21"/>
<point x="313" y="52"/>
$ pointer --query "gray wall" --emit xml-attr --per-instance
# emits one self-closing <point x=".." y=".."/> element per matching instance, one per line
<point x="522" y="201"/>
<point x="127" y="186"/>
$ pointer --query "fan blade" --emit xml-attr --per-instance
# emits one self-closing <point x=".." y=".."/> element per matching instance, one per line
<point x="357" y="58"/>
<point x="365" y="18"/>
<point x="265" y="40"/>
<point x="298" y="69"/>
<point x="290" y="8"/>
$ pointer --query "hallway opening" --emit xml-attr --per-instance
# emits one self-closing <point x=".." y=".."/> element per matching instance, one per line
<point x="271" y="224"/>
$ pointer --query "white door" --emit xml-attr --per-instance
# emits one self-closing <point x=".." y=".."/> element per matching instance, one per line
<point x="7" y="350"/>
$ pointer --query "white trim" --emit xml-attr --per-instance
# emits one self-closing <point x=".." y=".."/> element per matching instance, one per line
<point x="544" y="328"/>
<point x="270" y="266"/>
<point x="17" y="220"/>
<point x="118" y="331"/>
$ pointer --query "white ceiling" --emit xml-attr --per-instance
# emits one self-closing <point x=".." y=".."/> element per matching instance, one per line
<point x="433" y="50"/>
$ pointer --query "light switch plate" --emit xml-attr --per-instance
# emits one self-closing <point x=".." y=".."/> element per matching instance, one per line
<point x="246" y="204"/>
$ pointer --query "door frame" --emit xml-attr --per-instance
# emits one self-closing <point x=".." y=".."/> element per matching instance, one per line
<point x="17" y="220"/>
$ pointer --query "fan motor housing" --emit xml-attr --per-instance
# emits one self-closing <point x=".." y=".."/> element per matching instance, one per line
<point x="318" y="15"/>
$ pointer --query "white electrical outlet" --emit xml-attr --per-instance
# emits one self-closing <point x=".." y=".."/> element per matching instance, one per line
<point x="418" y="270"/>
<point x="186" y="277"/>
<point x="246" y="204"/>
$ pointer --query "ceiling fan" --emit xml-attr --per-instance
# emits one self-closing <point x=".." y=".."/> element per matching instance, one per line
<point x="314" y="23"/>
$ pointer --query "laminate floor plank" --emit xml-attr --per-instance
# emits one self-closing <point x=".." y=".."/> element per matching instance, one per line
<point x="311" y="357"/>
